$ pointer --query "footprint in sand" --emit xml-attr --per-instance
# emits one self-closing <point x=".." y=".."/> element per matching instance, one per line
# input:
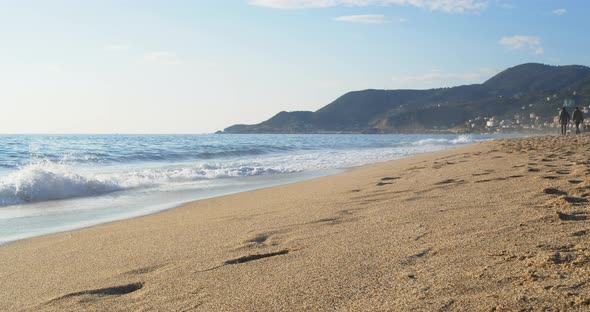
<point x="248" y="258"/>
<point x="571" y="217"/>
<point x="575" y="200"/>
<point x="261" y="238"/>
<point x="553" y="191"/>
<point x="387" y="179"/>
<point x="256" y="257"/>
<point x="94" y="294"/>
<point x="330" y="221"/>
<point x="580" y="233"/>
<point x="144" y="270"/>
<point x="449" y="181"/>
<point x="412" y="259"/>
<point x="500" y="179"/>
<point x="415" y="168"/>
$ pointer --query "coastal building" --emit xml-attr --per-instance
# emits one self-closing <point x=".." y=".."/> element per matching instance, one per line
<point x="569" y="102"/>
<point x="491" y="123"/>
<point x="505" y="123"/>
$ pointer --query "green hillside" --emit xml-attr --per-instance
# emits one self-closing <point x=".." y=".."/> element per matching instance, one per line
<point x="539" y="89"/>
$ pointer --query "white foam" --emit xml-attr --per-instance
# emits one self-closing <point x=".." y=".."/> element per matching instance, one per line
<point x="462" y="139"/>
<point x="46" y="180"/>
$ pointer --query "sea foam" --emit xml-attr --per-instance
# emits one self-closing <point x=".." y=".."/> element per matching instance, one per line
<point x="46" y="180"/>
<point x="462" y="139"/>
<point x="86" y="168"/>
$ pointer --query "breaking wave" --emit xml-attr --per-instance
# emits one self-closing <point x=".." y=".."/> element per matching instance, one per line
<point x="462" y="139"/>
<point x="80" y="166"/>
<point x="46" y="180"/>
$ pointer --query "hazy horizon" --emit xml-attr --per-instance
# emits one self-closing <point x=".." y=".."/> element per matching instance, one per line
<point x="178" y="67"/>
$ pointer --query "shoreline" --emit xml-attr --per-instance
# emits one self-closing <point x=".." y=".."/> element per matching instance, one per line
<point x="341" y="171"/>
<point x="172" y="206"/>
<point x="453" y="229"/>
<point x="288" y="179"/>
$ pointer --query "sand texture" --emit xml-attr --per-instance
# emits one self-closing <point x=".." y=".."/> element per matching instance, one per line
<point x="495" y="226"/>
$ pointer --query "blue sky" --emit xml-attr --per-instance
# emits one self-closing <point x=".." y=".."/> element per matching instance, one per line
<point x="198" y="66"/>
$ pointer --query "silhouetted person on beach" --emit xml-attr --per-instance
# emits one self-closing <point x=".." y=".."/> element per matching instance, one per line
<point x="564" y="119"/>
<point x="578" y="118"/>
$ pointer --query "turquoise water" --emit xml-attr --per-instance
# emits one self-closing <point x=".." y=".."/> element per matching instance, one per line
<point x="52" y="183"/>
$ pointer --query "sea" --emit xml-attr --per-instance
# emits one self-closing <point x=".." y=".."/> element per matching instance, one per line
<point x="55" y="183"/>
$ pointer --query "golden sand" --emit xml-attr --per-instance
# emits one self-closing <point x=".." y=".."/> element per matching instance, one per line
<point x="495" y="226"/>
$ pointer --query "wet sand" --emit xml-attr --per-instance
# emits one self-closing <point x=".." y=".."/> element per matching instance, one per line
<point x="494" y="226"/>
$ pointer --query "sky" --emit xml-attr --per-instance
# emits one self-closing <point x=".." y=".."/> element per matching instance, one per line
<point x="180" y="66"/>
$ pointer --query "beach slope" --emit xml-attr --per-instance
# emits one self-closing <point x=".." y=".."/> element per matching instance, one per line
<point x="500" y="225"/>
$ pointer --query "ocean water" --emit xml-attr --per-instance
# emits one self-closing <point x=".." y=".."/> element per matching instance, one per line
<point x="53" y="183"/>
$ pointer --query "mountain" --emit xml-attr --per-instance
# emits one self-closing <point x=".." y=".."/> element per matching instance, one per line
<point x="524" y="89"/>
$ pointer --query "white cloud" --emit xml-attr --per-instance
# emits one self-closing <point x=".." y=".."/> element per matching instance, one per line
<point x="559" y="11"/>
<point x="116" y="47"/>
<point x="162" y="57"/>
<point x="368" y="19"/>
<point x="523" y="42"/>
<point x="448" y="6"/>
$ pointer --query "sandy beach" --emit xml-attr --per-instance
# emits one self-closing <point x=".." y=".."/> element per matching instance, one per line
<point x="494" y="226"/>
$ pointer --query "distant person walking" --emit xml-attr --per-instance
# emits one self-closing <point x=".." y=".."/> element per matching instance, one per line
<point x="564" y="119"/>
<point x="578" y="118"/>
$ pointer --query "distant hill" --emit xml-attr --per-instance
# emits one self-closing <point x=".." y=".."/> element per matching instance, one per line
<point x="540" y="88"/>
